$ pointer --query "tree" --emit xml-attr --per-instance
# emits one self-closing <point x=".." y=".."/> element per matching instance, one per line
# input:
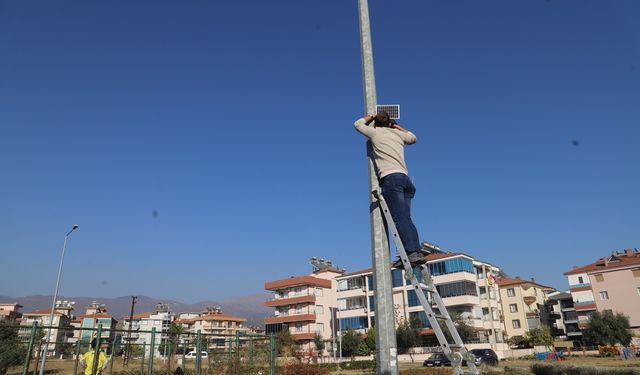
<point x="12" y="350"/>
<point x="319" y="344"/>
<point x="351" y="341"/>
<point x="540" y="336"/>
<point x="285" y="343"/>
<point x="407" y="337"/>
<point x="370" y="339"/>
<point x="608" y="329"/>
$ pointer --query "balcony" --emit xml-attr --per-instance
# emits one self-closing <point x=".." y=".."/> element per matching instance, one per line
<point x="291" y="300"/>
<point x="290" y="318"/>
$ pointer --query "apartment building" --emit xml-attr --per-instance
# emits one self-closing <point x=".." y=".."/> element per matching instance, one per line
<point x="464" y="283"/>
<point x="218" y="327"/>
<point x="143" y="324"/>
<point x="563" y="319"/>
<point x="523" y="304"/>
<point x="10" y="311"/>
<point x="95" y="315"/>
<point x="60" y="331"/>
<point x="610" y="283"/>
<point x="303" y="304"/>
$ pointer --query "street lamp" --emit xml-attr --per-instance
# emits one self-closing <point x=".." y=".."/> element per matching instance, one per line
<point x="55" y="296"/>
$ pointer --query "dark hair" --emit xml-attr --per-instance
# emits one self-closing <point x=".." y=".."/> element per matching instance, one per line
<point x="93" y="344"/>
<point x="382" y="119"/>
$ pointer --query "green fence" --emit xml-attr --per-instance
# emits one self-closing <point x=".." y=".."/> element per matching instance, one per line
<point x="150" y="352"/>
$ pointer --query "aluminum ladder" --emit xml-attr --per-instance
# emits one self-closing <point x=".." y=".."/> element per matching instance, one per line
<point x="455" y="352"/>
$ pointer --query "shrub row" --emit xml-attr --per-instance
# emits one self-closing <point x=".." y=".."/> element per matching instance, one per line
<point x="546" y="369"/>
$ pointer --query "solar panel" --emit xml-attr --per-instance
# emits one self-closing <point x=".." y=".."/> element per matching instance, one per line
<point x="392" y="109"/>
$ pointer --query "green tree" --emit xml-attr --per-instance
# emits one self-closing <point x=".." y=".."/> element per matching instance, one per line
<point x="351" y="341"/>
<point x="12" y="350"/>
<point x="407" y="337"/>
<point x="608" y="329"/>
<point x="319" y="344"/>
<point x="540" y="336"/>
<point x="519" y="341"/>
<point x="370" y="339"/>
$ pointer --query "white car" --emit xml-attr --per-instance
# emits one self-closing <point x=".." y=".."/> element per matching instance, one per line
<point x="193" y="354"/>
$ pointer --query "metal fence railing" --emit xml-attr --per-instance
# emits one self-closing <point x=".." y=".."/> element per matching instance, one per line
<point x="142" y="351"/>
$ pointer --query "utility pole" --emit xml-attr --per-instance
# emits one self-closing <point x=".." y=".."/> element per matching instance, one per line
<point x="386" y="347"/>
<point x="134" y="299"/>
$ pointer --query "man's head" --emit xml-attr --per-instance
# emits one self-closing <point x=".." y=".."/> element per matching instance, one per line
<point x="381" y="119"/>
<point x="93" y="343"/>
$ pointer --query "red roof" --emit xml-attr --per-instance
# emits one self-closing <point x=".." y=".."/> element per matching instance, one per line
<point x="629" y="258"/>
<point x="43" y="312"/>
<point x="508" y="281"/>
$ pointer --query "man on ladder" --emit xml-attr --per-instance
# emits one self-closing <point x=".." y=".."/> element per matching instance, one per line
<point x="387" y="142"/>
<point x="387" y="152"/>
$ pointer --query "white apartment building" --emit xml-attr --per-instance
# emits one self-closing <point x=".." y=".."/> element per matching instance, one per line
<point x="142" y="324"/>
<point x="461" y="281"/>
<point x="217" y="327"/>
<point x="61" y="327"/>
<point x="523" y="304"/>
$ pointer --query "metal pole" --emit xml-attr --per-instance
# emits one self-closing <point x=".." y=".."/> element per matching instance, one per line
<point x="272" y="357"/>
<point x="53" y="305"/>
<point x="198" y="351"/>
<point x="152" y="349"/>
<point x="113" y="356"/>
<point x="386" y="346"/>
<point x="75" y="365"/>
<point x="96" y="352"/>
<point x="27" y="360"/>
<point x="127" y="352"/>
<point x="144" y="350"/>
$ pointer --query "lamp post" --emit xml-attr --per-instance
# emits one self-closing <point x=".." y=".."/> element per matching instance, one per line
<point x="55" y="296"/>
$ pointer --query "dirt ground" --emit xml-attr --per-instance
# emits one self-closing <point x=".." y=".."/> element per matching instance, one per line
<point x="65" y="367"/>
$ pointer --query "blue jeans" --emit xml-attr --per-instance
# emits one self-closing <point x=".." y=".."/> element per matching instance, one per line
<point x="398" y="190"/>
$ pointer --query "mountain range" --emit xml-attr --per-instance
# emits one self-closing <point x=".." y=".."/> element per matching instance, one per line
<point x="249" y="307"/>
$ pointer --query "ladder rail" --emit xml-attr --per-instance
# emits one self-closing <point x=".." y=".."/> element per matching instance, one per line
<point x="455" y="357"/>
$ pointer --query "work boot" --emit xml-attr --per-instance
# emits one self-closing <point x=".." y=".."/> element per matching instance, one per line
<point x="416" y="258"/>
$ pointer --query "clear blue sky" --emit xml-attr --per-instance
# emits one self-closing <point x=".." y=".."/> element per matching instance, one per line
<point x="205" y="147"/>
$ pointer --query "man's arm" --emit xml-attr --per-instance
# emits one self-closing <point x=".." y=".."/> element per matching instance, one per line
<point x="407" y="136"/>
<point x="362" y="125"/>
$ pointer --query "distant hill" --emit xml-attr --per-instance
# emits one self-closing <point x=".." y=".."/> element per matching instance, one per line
<point x="249" y="307"/>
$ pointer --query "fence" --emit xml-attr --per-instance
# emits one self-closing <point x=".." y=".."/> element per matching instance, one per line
<point x="146" y="351"/>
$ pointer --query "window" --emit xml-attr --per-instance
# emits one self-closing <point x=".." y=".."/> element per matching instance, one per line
<point x="422" y="316"/>
<point x="319" y="327"/>
<point x="451" y="266"/>
<point x="599" y="277"/>
<point x="459" y="288"/>
<point x="396" y="277"/>
<point x="298" y="327"/>
<point x="342" y="285"/>
<point x="604" y="295"/>
<point x="318" y="292"/>
<point x="370" y="282"/>
<point x="359" y="322"/>
<point x="516" y="323"/>
<point x="580" y="280"/>
<point x="511" y="292"/>
<point x="319" y="309"/>
<point x="298" y="309"/>
<point x="513" y="307"/>
<point x="372" y="302"/>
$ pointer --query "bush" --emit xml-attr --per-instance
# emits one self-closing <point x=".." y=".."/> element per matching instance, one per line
<point x="545" y="369"/>
<point x="427" y="371"/>
<point x="302" y="369"/>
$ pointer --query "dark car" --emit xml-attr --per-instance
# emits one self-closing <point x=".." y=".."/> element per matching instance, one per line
<point x="437" y="360"/>
<point x="486" y="356"/>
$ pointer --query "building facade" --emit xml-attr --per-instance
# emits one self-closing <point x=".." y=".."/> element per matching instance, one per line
<point x="563" y="319"/>
<point x="142" y="327"/>
<point x="303" y="305"/>
<point x="464" y="284"/>
<point x="610" y="283"/>
<point x="10" y="311"/>
<point x="523" y="304"/>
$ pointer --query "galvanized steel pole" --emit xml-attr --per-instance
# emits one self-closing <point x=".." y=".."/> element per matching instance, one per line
<point x="386" y="347"/>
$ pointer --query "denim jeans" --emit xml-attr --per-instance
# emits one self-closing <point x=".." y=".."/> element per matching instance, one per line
<point x="398" y="190"/>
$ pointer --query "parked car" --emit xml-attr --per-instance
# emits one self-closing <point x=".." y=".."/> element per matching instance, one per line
<point x="193" y="354"/>
<point x="486" y="356"/>
<point x="437" y="360"/>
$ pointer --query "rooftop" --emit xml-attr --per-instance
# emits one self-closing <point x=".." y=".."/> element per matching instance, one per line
<point x="619" y="259"/>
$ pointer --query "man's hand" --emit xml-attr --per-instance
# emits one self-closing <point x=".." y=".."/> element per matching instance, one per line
<point x="369" y="118"/>
<point x="396" y="126"/>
